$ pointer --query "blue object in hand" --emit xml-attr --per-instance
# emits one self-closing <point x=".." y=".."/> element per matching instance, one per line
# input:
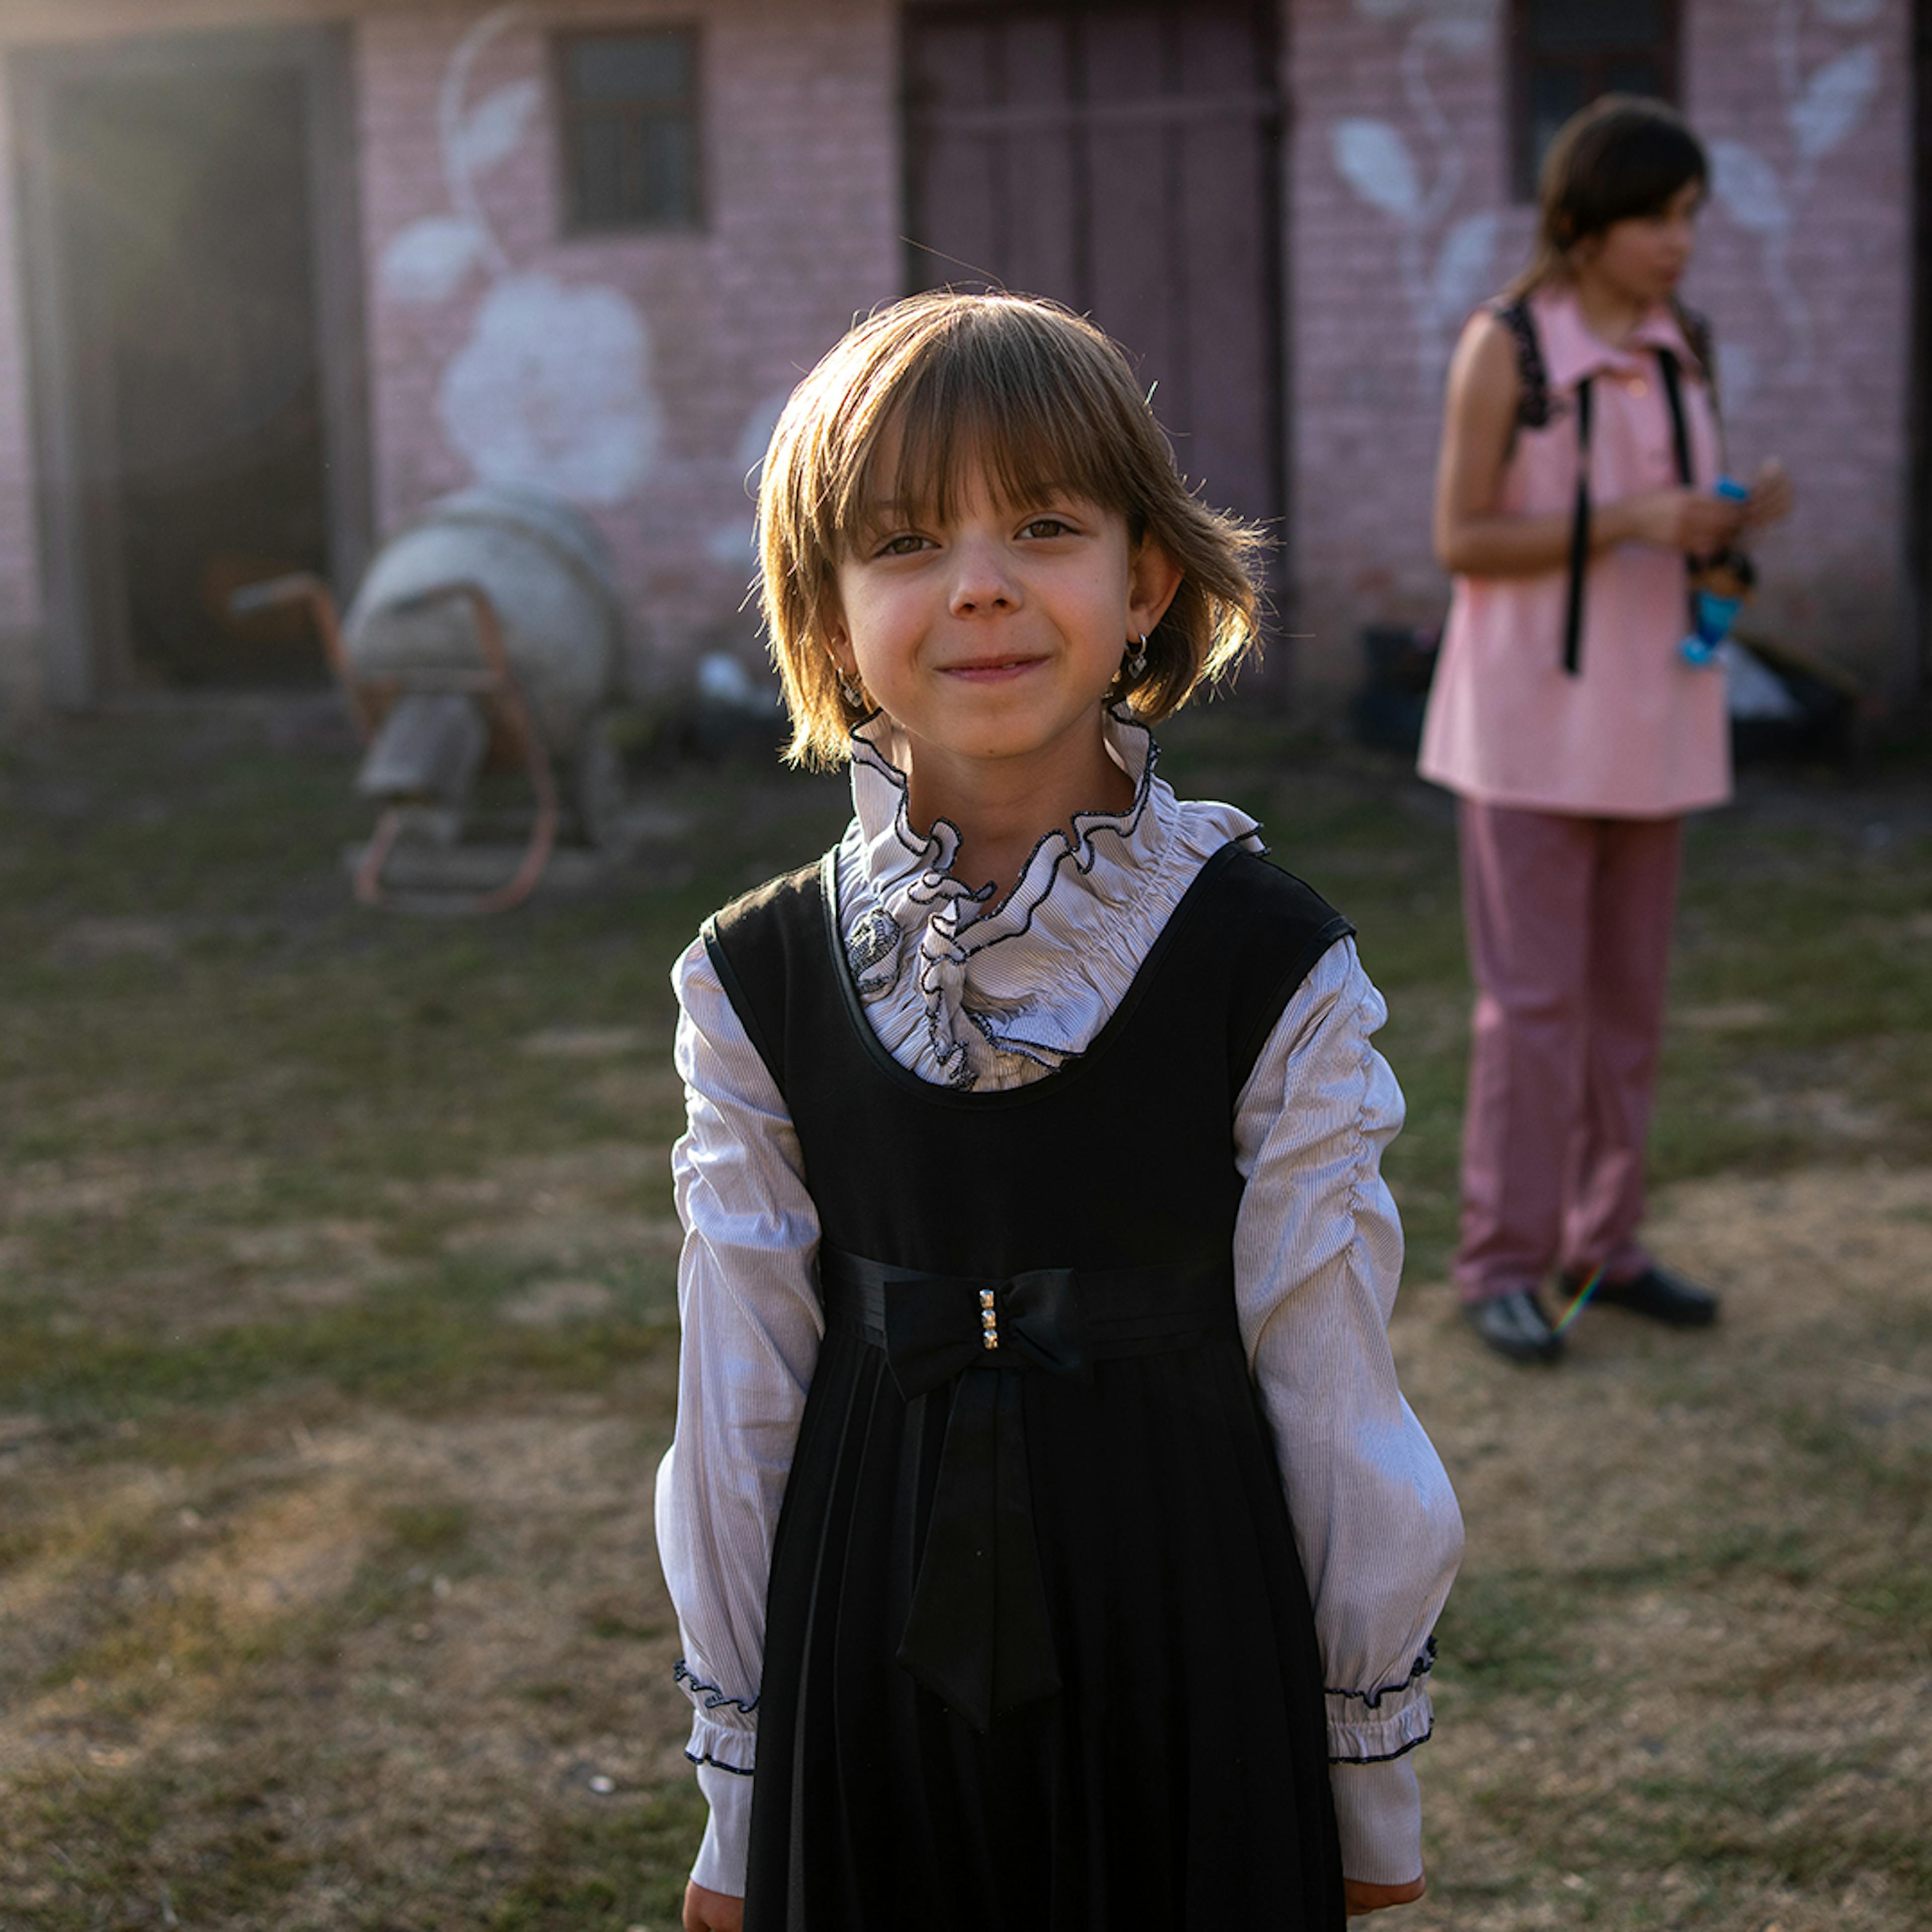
<point x="1713" y="612"/>
<point x="1714" y="616"/>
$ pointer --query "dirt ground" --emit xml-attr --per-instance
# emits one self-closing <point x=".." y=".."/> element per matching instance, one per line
<point x="337" y="1351"/>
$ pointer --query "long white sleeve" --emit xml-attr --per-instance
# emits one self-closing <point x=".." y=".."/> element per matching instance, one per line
<point x="749" y="1309"/>
<point x="1318" y="1257"/>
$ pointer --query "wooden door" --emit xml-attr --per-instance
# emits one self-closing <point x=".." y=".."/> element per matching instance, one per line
<point x="1125" y="160"/>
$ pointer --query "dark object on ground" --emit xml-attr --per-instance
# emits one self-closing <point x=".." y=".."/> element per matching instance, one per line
<point x="732" y="712"/>
<point x="1386" y="713"/>
<point x="1816" y="719"/>
<point x="1658" y="1293"/>
<point x="1515" y="1326"/>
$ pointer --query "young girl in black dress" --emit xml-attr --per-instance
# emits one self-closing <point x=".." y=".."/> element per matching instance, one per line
<point x="1052" y="1545"/>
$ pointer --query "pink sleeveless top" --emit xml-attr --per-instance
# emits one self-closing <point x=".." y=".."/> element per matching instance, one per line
<point x="1638" y="733"/>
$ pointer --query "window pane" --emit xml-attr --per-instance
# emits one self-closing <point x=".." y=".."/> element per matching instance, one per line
<point x="1555" y="93"/>
<point x="630" y="66"/>
<point x="668" y="190"/>
<point x="1625" y="75"/>
<point x="1591" y="25"/>
<point x="598" y="149"/>
<point x="631" y="122"/>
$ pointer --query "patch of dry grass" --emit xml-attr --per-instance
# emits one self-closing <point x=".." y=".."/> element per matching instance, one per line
<point x="1687" y="1678"/>
<point x="336" y="1264"/>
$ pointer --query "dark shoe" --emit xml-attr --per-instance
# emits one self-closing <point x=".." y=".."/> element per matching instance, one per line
<point x="1658" y="1293"/>
<point x="1515" y="1325"/>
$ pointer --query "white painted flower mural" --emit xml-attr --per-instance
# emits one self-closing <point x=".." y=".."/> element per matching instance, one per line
<point x="553" y="389"/>
<point x="549" y="390"/>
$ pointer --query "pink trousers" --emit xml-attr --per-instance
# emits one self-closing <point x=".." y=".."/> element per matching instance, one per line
<point x="1569" y="930"/>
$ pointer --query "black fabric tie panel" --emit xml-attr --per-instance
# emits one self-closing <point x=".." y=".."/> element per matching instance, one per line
<point x="978" y="1636"/>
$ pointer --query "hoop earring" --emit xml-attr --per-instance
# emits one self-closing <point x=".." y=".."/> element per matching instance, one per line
<point x="1134" y="662"/>
<point x="852" y="692"/>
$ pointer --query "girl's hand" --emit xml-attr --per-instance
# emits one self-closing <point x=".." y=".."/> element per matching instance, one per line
<point x="713" y="1912"/>
<point x="1362" y="1898"/>
<point x="1691" y="521"/>
<point x="1771" y="495"/>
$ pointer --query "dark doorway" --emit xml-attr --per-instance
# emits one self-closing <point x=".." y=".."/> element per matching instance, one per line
<point x="191" y="441"/>
<point x="1123" y="159"/>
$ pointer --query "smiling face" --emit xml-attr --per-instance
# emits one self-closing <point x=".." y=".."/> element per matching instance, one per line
<point x="990" y="632"/>
<point x="1643" y="256"/>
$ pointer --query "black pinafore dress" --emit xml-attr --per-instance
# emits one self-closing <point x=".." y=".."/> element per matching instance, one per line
<point x="1039" y="1651"/>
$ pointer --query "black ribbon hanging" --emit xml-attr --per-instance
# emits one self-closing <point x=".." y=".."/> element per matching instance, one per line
<point x="977" y="1634"/>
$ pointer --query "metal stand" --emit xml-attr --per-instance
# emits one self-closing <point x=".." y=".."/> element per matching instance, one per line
<point x="514" y="738"/>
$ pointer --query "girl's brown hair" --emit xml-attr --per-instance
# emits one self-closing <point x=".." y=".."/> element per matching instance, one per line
<point x="1045" y="402"/>
<point x="1621" y="157"/>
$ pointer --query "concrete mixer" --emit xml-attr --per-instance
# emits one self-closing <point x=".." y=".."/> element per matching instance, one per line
<point x="487" y="635"/>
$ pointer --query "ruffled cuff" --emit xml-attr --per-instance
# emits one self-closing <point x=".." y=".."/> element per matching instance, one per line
<point x="1372" y="1726"/>
<point x="1378" y="1820"/>
<point x="724" y="1855"/>
<point x="724" y="1728"/>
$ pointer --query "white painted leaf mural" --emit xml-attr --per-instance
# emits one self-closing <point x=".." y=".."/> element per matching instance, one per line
<point x="493" y="128"/>
<point x="428" y="261"/>
<point x="1462" y="26"/>
<point x="1462" y="268"/>
<point x="1374" y="159"/>
<point x="1747" y="184"/>
<point x="1833" y="99"/>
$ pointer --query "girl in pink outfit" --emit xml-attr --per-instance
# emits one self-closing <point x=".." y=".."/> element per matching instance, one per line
<point x="1580" y="448"/>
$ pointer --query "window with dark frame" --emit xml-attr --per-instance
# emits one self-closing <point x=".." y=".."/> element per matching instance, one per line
<point x="1564" y="53"/>
<point x="628" y="113"/>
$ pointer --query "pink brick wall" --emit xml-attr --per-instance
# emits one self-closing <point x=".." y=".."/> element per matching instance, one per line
<point x="19" y="536"/>
<point x="1812" y="309"/>
<point x="1400" y="222"/>
<point x="800" y="162"/>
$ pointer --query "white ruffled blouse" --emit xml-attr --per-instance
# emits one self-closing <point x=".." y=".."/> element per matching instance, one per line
<point x="971" y="995"/>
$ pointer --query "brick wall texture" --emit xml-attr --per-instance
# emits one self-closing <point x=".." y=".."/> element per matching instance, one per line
<point x="1400" y="220"/>
<point x="800" y="188"/>
<point x="643" y="371"/>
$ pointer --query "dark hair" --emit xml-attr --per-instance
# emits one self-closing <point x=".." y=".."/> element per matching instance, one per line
<point x="1045" y="400"/>
<point x="1621" y="157"/>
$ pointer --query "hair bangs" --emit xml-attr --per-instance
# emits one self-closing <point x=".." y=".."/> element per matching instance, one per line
<point x="991" y="407"/>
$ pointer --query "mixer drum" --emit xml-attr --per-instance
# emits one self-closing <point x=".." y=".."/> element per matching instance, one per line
<point x="543" y="565"/>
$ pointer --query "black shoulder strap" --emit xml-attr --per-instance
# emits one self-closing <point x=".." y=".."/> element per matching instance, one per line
<point x="1532" y="408"/>
<point x="1579" y="538"/>
<point x="1280" y="925"/>
<point x="1698" y="333"/>
<point x="1673" y="394"/>
<point x="763" y="948"/>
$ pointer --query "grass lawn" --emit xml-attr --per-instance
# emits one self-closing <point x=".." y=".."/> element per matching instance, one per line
<point x="338" y="1349"/>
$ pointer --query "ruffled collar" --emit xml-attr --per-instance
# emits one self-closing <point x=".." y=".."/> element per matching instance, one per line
<point x="974" y="994"/>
